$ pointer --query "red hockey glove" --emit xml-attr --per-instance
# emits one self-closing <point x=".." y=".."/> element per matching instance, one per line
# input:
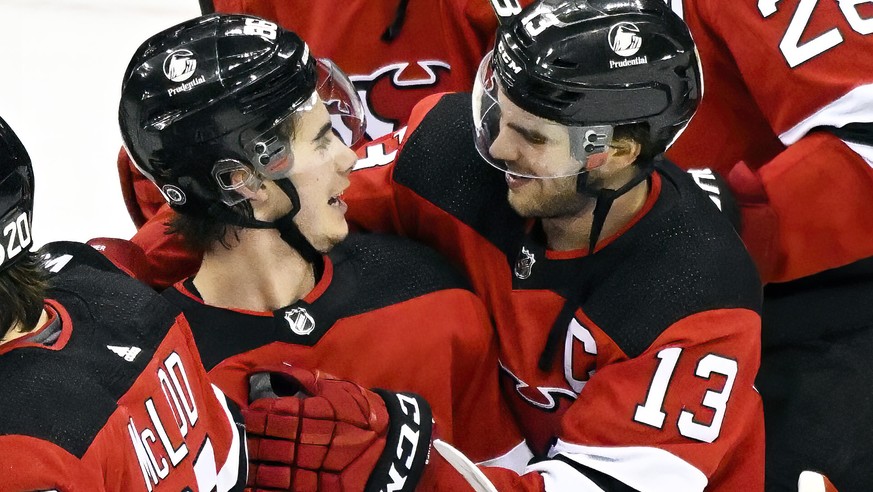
<point x="309" y="431"/>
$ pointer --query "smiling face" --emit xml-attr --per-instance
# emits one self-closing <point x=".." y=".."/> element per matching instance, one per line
<point x="320" y="174"/>
<point x="533" y="146"/>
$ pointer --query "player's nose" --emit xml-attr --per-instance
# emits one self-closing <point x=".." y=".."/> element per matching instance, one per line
<point x="346" y="160"/>
<point x="503" y="149"/>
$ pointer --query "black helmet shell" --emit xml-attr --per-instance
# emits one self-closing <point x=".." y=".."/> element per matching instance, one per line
<point x="601" y="62"/>
<point x="16" y="196"/>
<point x="201" y="92"/>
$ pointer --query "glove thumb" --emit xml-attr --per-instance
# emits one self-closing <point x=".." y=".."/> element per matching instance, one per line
<point x="283" y="380"/>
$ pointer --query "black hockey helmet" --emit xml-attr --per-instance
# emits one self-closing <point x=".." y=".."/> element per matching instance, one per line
<point x="592" y="65"/>
<point x="16" y="196"/>
<point x="209" y="96"/>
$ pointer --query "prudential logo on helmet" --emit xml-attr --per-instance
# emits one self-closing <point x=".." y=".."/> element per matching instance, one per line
<point x="624" y="39"/>
<point x="180" y="65"/>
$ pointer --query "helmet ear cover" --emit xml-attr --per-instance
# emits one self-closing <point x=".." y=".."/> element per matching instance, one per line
<point x="16" y="197"/>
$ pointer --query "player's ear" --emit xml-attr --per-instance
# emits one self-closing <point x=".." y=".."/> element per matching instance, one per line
<point x="246" y="185"/>
<point x="625" y="149"/>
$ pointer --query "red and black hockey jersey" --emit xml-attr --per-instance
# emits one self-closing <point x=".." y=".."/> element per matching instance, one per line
<point x="788" y="91"/>
<point x="111" y="395"/>
<point x="385" y="313"/>
<point x="632" y="366"/>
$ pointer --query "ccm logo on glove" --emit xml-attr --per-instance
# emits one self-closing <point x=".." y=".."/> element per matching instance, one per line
<point x="406" y="412"/>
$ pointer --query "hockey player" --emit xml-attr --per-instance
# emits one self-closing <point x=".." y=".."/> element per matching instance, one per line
<point x="396" y="53"/>
<point x="786" y="117"/>
<point x="103" y="389"/>
<point x="230" y="115"/>
<point x="627" y="309"/>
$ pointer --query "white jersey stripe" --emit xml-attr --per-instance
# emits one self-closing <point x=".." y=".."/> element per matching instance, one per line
<point x="516" y="459"/>
<point x="228" y="475"/>
<point x="864" y="151"/>
<point x="561" y="477"/>
<point x="853" y="107"/>
<point x="643" y="468"/>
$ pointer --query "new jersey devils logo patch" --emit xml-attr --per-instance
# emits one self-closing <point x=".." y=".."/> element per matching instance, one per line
<point x="391" y="91"/>
<point x="545" y="398"/>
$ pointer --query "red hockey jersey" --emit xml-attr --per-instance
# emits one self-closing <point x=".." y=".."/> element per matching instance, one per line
<point x="111" y="395"/>
<point x="385" y="313"/>
<point x="633" y="365"/>
<point x="788" y="86"/>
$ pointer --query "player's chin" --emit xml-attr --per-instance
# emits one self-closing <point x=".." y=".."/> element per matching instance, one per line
<point x="335" y="234"/>
<point x="521" y="203"/>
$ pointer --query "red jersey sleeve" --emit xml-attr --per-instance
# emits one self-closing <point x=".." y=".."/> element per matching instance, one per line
<point x="34" y="464"/>
<point x="684" y="415"/>
<point x="807" y="210"/>
<point x="371" y="195"/>
<point x="683" y="412"/>
<point x="167" y="259"/>
<point x="781" y="97"/>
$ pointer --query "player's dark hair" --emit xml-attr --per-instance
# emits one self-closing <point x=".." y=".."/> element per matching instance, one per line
<point x="203" y="234"/>
<point x="22" y="292"/>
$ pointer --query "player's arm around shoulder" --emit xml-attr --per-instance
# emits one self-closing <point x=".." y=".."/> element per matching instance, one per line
<point x="153" y="256"/>
<point x="483" y="424"/>
<point x="371" y="194"/>
<point x="806" y="210"/>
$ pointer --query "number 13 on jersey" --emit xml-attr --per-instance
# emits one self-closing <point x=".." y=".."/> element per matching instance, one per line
<point x="651" y="412"/>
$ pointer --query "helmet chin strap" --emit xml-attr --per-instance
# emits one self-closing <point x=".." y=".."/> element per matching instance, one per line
<point x="291" y="234"/>
<point x="606" y="197"/>
<point x="288" y="230"/>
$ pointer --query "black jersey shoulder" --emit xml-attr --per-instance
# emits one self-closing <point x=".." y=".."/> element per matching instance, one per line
<point x="370" y="272"/>
<point x="683" y="257"/>
<point x="440" y="163"/>
<point x="66" y="396"/>
<point x="383" y="270"/>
